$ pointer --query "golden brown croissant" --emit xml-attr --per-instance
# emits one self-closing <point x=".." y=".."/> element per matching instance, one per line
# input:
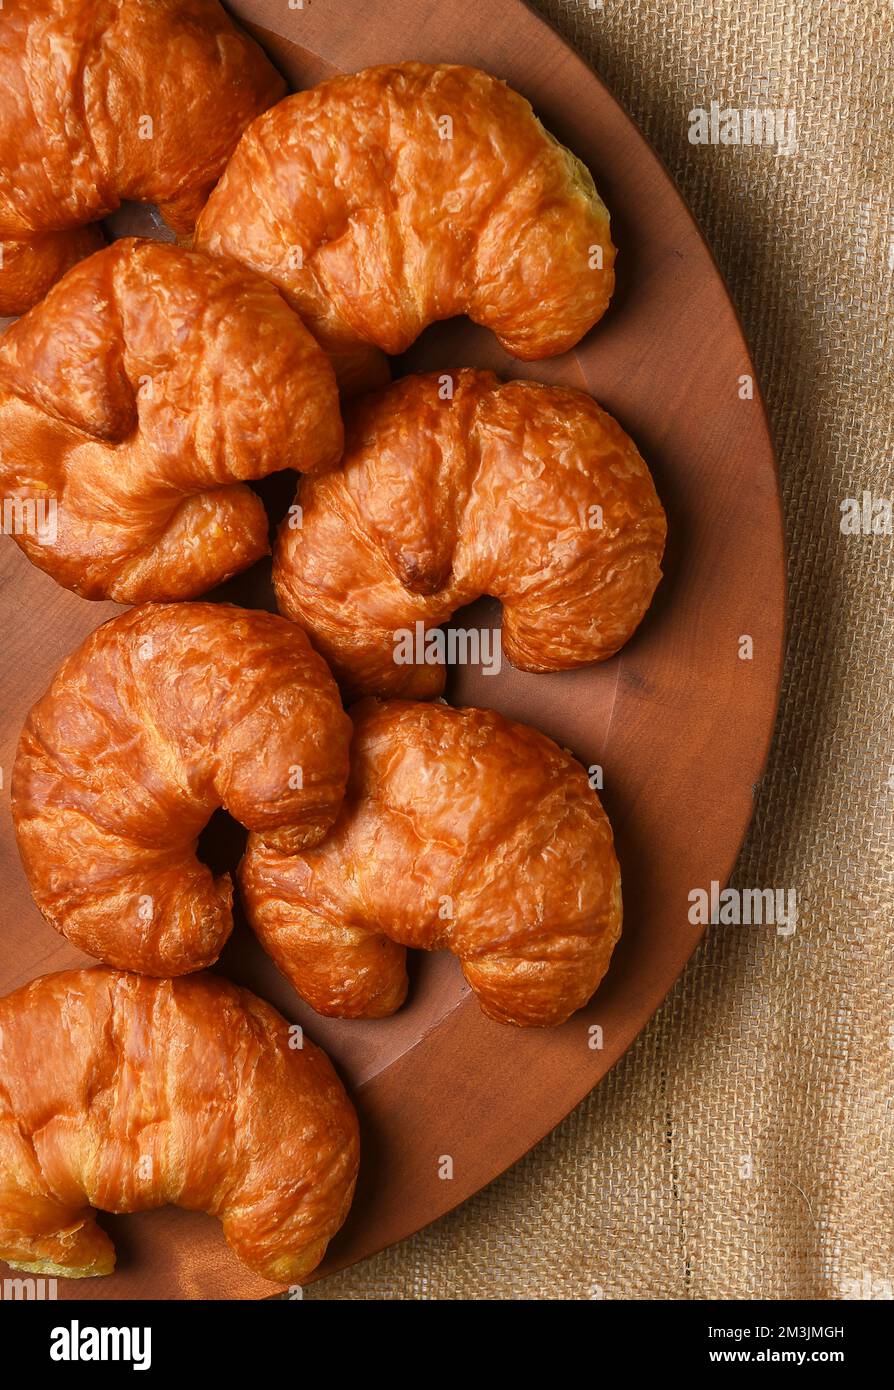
<point x="459" y="830"/>
<point x="529" y="493"/>
<point x="124" y="1093"/>
<point x="161" y="716"/>
<point x="29" y="268"/>
<point x="103" y="103"/>
<point x="135" y="401"/>
<point x="382" y="201"/>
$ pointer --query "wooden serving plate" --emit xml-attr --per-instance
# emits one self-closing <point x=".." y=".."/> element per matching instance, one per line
<point x="678" y="721"/>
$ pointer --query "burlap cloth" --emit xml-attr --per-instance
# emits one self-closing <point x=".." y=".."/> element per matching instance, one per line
<point x="771" y="1057"/>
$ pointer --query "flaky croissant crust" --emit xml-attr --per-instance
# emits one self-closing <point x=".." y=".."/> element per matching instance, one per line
<point x="457" y="485"/>
<point x="136" y="399"/>
<point x="100" y="103"/>
<point x="387" y="199"/>
<point x="161" y="716"/>
<point x="460" y="830"/>
<point x="123" y="1093"/>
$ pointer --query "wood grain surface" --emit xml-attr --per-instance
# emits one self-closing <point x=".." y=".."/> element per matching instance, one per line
<point x="679" y="723"/>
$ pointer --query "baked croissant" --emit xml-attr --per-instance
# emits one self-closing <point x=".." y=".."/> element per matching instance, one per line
<point x="29" y="268"/>
<point x="125" y="1093"/>
<point x="460" y="830"/>
<point x="135" y="401"/>
<point x="161" y="716"/>
<point x="459" y="485"/>
<point x="102" y="103"/>
<point x="382" y="201"/>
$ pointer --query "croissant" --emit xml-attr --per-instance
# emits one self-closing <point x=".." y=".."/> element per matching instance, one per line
<point x="29" y="268"/>
<point x="161" y="716"/>
<point x="125" y="1093"/>
<point x="135" y="401"/>
<point x="102" y="103"/>
<point x="385" y="200"/>
<point x="459" y="485"/>
<point x="460" y="830"/>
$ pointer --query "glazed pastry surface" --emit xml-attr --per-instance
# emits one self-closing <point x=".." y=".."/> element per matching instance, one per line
<point x="103" y="101"/>
<point x="123" y="1093"/>
<point x="529" y="493"/>
<point x="460" y="830"/>
<point x="135" y="402"/>
<point x="160" y="717"/>
<point x="387" y="199"/>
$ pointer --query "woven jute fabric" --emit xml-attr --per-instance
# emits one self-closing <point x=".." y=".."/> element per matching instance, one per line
<point x="743" y="1147"/>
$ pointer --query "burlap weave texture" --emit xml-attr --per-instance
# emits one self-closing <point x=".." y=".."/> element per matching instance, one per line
<point x="743" y="1146"/>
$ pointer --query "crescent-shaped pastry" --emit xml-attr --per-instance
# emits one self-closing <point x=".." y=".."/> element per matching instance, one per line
<point x="122" y="1093"/>
<point x="460" y="830"/>
<point x="135" y="402"/>
<point x="382" y="201"/>
<point x="102" y="103"/>
<point x="459" y="485"/>
<point x="160" y="717"/>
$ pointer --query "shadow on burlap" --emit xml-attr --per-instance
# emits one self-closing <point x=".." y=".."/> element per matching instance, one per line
<point x="773" y="1056"/>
